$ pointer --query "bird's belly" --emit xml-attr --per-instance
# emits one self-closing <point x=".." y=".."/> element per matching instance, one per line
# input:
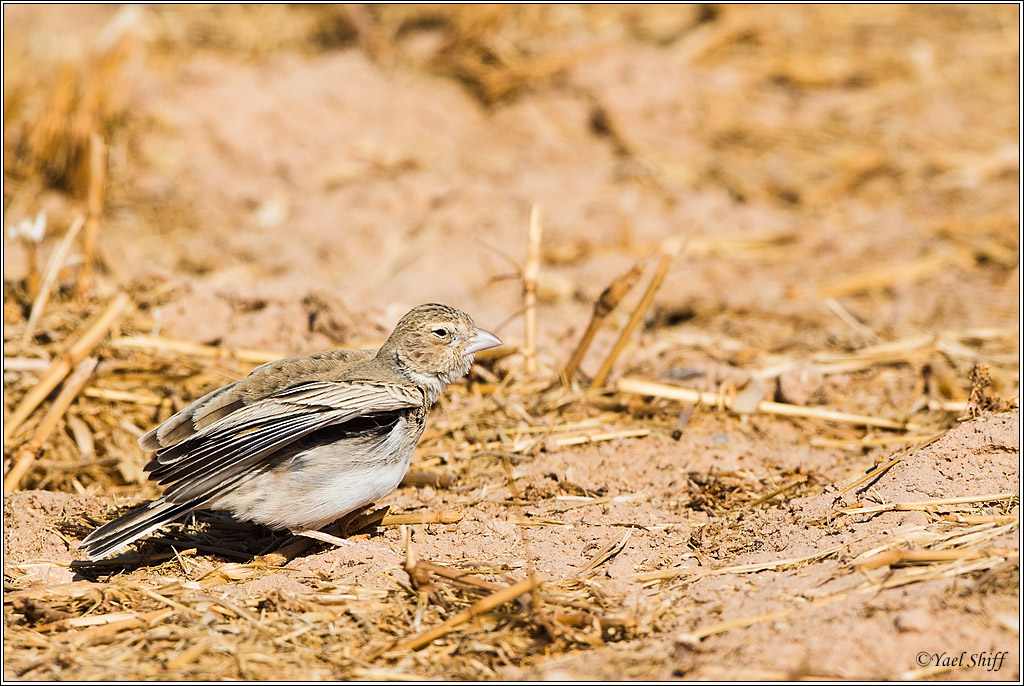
<point x="319" y="485"/>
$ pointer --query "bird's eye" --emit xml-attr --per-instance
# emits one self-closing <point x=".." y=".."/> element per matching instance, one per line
<point x="441" y="333"/>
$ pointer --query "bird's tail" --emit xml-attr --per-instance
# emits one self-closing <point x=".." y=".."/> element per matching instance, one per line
<point x="143" y="520"/>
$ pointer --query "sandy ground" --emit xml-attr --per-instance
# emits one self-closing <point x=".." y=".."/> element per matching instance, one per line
<point x="853" y="190"/>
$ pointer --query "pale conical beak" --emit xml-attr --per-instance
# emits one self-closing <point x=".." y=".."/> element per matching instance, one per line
<point x="480" y="340"/>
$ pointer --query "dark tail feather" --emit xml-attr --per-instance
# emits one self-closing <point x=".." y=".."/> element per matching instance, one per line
<point x="141" y="521"/>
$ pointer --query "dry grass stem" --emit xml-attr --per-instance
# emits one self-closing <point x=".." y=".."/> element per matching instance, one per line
<point x="28" y="453"/>
<point x="32" y="278"/>
<point x="682" y="421"/>
<point x="53" y="267"/>
<point x="461" y="576"/>
<point x="62" y="365"/>
<point x="556" y="442"/>
<point x="472" y="579"/>
<point x="483" y="605"/>
<point x="91" y="621"/>
<point x="884" y="277"/>
<point x="530" y="273"/>
<point x="132" y="559"/>
<point x="958" y="407"/>
<point x="379" y="675"/>
<point x="690" y="638"/>
<point x="171" y="346"/>
<point x="571" y="502"/>
<point x="659" y="390"/>
<point x="937" y="540"/>
<point x="58" y="592"/>
<point x="878" y="470"/>
<point x="425" y="518"/>
<point x="979" y="519"/>
<point x="97" y="178"/>
<point x="902" y="351"/>
<point x="497" y="353"/>
<point x="926" y="504"/>
<point x="114" y="395"/>
<point x="871" y="441"/>
<point x="780" y="490"/>
<point x="30" y="233"/>
<point x="25" y="364"/>
<point x="736" y="569"/>
<point x="609" y="551"/>
<point x="919" y="349"/>
<point x="668" y="252"/>
<point x="767" y="245"/>
<point x="609" y="300"/>
<point x="871" y="474"/>
<point x="892" y="558"/>
<point x="849" y="319"/>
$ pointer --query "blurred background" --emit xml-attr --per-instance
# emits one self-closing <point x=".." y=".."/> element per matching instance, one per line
<point x="296" y="177"/>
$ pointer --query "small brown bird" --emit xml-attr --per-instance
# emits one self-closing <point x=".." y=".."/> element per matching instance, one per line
<point x="301" y="442"/>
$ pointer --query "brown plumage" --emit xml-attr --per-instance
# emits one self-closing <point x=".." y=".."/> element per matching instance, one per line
<point x="300" y="442"/>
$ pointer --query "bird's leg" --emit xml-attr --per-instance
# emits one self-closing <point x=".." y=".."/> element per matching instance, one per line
<point x="321" y="536"/>
<point x="342" y="526"/>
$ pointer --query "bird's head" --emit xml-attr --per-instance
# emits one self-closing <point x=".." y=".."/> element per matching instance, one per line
<point x="435" y="344"/>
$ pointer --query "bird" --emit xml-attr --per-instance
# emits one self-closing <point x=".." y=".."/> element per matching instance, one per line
<point x="303" y="441"/>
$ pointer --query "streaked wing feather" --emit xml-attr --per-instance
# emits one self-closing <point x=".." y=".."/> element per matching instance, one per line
<point x="208" y="469"/>
<point x="240" y="440"/>
<point x="266" y="379"/>
<point x="352" y="394"/>
<point x="356" y="398"/>
<point x="181" y="425"/>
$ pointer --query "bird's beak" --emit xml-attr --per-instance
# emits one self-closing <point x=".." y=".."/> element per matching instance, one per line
<point x="480" y="340"/>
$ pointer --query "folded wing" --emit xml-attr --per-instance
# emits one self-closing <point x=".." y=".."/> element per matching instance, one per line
<point x="246" y="437"/>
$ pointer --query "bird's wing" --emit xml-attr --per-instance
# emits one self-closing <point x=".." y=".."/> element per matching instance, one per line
<point x="243" y="438"/>
<point x="262" y="381"/>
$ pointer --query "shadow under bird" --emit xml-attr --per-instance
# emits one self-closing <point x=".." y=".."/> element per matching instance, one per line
<point x="301" y="442"/>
